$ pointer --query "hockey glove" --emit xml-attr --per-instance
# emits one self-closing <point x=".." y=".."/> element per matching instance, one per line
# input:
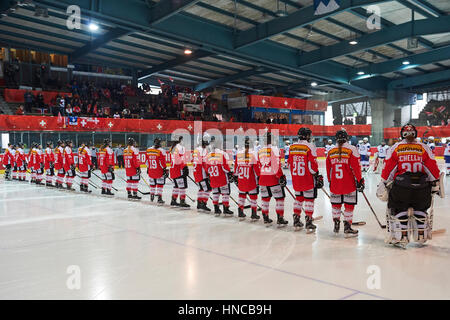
<point x="111" y="169"/>
<point x="72" y="167"/>
<point x="52" y="165"/>
<point x="236" y="180"/>
<point x="318" y="179"/>
<point x="360" y="185"/>
<point x="283" y="181"/>
<point x="230" y="177"/>
<point x="8" y="166"/>
<point x="138" y="171"/>
<point x="185" y="171"/>
<point x="165" y="174"/>
<point x="382" y="191"/>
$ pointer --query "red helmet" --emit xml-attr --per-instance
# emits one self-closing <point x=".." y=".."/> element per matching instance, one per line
<point x="408" y="130"/>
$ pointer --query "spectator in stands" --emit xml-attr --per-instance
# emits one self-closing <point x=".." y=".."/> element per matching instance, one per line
<point x="69" y="110"/>
<point x="20" y="111"/>
<point x="76" y="110"/>
<point x="28" y="98"/>
<point x="62" y="105"/>
<point x="116" y="115"/>
<point x="40" y="102"/>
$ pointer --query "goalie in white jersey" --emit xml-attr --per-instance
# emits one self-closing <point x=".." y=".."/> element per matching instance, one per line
<point x="381" y="156"/>
<point x="447" y="156"/>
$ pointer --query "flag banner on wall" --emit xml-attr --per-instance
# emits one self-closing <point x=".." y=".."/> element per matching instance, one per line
<point x="73" y="121"/>
<point x="325" y="6"/>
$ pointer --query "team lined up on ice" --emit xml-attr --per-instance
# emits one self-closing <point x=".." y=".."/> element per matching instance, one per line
<point x="408" y="176"/>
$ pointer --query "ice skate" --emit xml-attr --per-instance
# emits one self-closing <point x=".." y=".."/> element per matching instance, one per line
<point x="254" y="216"/>
<point x="217" y="210"/>
<point x="348" y="231"/>
<point x="160" y="200"/>
<point x="241" y="214"/>
<point x="298" y="225"/>
<point x="337" y="225"/>
<point x="183" y="204"/>
<point x="309" y="226"/>
<point x="267" y="220"/>
<point x="136" y="197"/>
<point x="205" y="208"/>
<point x="227" y="212"/>
<point x="281" y="222"/>
<point x="130" y="196"/>
<point x="174" y="203"/>
<point x="152" y="197"/>
<point x="103" y="191"/>
<point x="109" y="193"/>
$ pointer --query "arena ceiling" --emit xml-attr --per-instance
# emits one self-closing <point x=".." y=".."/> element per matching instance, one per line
<point x="257" y="45"/>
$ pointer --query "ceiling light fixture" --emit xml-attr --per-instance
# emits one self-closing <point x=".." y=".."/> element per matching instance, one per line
<point x="314" y="84"/>
<point x="405" y="63"/>
<point x="187" y="51"/>
<point x="360" y="73"/>
<point x="93" y="26"/>
<point x="353" y="42"/>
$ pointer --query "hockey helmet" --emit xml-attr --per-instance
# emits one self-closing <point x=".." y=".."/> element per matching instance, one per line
<point x="247" y="142"/>
<point x="365" y="140"/>
<point x="408" y="130"/>
<point x="68" y="142"/>
<point x="268" y="137"/>
<point x="330" y="141"/>
<point x="206" y="139"/>
<point x="341" y="136"/>
<point x="49" y="143"/>
<point x="131" y="142"/>
<point x="383" y="143"/>
<point x="431" y="139"/>
<point x="304" y="134"/>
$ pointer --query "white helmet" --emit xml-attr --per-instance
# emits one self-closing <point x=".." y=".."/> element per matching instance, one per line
<point x="360" y="141"/>
<point x="365" y="139"/>
<point x="418" y="139"/>
<point x="236" y="146"/>
<point x="330" y="141"/>
<point x="431" y="138"/>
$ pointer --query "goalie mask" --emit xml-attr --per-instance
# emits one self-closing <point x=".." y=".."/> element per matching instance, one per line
<point x="408" y="130"/>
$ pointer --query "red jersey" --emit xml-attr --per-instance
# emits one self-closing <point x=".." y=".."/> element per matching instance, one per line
<point x="49" y="157"/>
<point x="68" y="158"/>
<point x="303" y="165"/>
<point x="131" y="160"/>
<point x="35" y="158"/>
<point x="198" y="158"/>
<point x="246" y="168"/>
<point x="410" y="157"/>
<point x="59" y="158"/>
<point x="177" y="161"/>
<point x="104" y="159"/>
<point x="216" y="164"/>
<point x="343" y="169"/>
<point x="155" y="159"/>
<point x="269" y="164"/>
<point x="19" y="157"/>
<point x="84" y="160"/>
<point x="8" y="157"/>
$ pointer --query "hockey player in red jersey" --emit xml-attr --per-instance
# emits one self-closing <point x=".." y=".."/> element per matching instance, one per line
<point x="411" y="168"/>
<point x="105" y="161"/>
<point x="132" y="169"/>
<point x="306" y="179"/>
<point x="59" y="164"/>
<point x="344" y="175"/>
<point x="200" y="174"/>
<point x="13" y="162"/>
<point x="21" y="162"/>
<point x="246" y="172"/>
<point x="69" y="165"/>
<point x="8" y="161"/>
<point x="155" y="160"/>
<point x="219" y="172"/>
<point x="84" y="167"/>
<point x="49" y="164"/>
<point x="271" y="180"/>
<point x="178" y="172"/>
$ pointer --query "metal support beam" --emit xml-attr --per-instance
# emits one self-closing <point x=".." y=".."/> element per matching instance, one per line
<point x="166" y="8"/>
<point x="410" y="82"/>
<point x="382" y="37"/>
<point x="299" y="18"/>
<point x="97" y="43"/>
<point x="429" y="7"/>
<point x="415" y="60"/>
<point x="173" y="63"/>
<point x="232" y="77"/>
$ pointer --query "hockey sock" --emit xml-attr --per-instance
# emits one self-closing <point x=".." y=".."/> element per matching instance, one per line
<point x="200" y="196"/>
<point x="336" y="211"/>
<point x="226" y="200"/>
<point x="215" y="197"/>
<point x="205" y="196"/>
<point x="109" y="184"/>
<point x="175" y="193"/>
<point x="309" y="207"/>
<point x="129" y="185"/>
<point x="135" y="186"/>
<point x="279" y="207"/>
<point x="253" y="198"/>
<point x="159" y="189"/>
<point x="182" y="193"/>
<point x="265" y="205"/>
<point x="348" y="212"/>
<point x="152" y="190"/>
<point x="298" y="205"/>
<point x="241" y="200"/>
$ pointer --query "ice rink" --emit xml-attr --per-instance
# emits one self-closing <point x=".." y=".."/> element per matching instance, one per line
<point x="123" y="249"/>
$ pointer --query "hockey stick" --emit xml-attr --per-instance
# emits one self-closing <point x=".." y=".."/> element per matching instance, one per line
<point x="357" y="223"/>
<point x="91" y="183"/>
<point x="382" y="226"/>
<point x="293" y="197"/>
<point x="187" y="196"/>
<point x="144" y="193"/>
<point x="197" y="185"/>
<point x="102" y="180"/>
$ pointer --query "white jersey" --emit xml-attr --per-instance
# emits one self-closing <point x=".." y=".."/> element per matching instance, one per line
<point x="364" y="149"/>
<point x="382" y="151"/>
<point x="286" y="151"/>
<point x="328" y="147"/>
<point x="447" y="150"/>
<point x="257" y="147"/>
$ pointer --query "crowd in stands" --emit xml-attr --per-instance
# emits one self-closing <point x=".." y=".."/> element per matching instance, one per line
<point x="436" y="113"/>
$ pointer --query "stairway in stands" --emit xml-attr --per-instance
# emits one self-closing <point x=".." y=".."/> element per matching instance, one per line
<point x="5" y="107"/>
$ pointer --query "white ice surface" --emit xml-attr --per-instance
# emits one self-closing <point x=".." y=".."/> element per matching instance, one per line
<point x="130" y="250"/>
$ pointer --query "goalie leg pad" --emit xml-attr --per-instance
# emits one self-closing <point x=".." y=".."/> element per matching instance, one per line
<point x="396" y="224"/>
<point x="421" y="227"/>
